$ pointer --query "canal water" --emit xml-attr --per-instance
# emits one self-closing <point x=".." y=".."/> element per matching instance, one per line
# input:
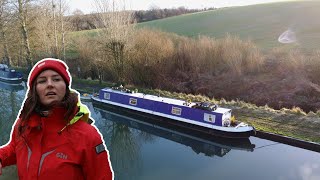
<point x="143" y="151"/>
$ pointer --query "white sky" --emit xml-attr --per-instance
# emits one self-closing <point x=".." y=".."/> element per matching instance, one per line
<point x="86" y="6"/>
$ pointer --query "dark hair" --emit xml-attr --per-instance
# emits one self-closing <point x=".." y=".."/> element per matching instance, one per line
<point x="32" y="104"/>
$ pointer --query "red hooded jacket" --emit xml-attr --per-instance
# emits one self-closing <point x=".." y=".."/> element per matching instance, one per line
<point x="44" y="152"/>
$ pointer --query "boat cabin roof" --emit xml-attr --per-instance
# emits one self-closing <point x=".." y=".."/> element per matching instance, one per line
<point x="164" y="99"/>
<point x="3" y="66"/>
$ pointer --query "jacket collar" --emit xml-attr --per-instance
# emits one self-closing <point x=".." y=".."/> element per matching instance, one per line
<point x="83" y="114"/>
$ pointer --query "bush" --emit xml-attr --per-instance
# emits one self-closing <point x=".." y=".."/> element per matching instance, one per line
<point x="148" y="56"/>
<point x="298" y="111"/>
<point x="240" y="56"/>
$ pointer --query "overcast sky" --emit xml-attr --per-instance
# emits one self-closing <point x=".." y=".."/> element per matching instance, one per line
<point x="86" y="6"/>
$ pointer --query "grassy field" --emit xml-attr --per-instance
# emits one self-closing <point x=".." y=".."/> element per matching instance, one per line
<point x="262" y="24"/>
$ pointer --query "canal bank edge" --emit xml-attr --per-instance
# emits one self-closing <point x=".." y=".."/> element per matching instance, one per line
<point x="289" y="141"/>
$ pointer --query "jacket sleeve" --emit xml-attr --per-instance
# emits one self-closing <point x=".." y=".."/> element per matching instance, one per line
<point x="7" y="152"/>
<point x="96" y="164"/>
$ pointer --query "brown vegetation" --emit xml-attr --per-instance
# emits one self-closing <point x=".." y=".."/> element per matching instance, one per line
<point x="227" y="68"/>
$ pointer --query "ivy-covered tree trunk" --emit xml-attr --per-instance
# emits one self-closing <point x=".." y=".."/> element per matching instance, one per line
<point x="117" y="52"/>
<point x="117" y="28"/>
<point x="23" y="19"/>
<point x="5" y="48"/>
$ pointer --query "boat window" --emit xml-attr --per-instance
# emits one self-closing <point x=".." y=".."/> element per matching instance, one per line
<point x="209" y="118"/>
<point x="133" y="101"/>
<point x="176" y="111"/>
<point x="106" y="95"/>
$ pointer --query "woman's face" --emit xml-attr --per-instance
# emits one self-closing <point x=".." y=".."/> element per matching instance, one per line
<point x="50" y="87"/>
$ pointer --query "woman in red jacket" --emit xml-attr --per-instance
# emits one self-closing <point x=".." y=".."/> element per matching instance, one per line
<point x="52" y="138"/>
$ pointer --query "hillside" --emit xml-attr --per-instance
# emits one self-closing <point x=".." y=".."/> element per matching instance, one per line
<point x="225" y="66"/>
<point x="262" y="24"/>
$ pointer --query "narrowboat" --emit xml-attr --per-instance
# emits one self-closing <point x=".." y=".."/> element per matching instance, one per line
<point x="9" y="75"/>
<point x="204" y="118"/>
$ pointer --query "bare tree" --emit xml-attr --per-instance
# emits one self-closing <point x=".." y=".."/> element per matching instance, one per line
<point x="55" y="48"/>
<point x="23" y="9"/>
<point x="116" y="31"/>
<point x="77" y="19"/>
<point x="4" y="18"/>
<point x="49" y="29"/>
<point x="62" y="8"/>
<point x="44" y="28"/>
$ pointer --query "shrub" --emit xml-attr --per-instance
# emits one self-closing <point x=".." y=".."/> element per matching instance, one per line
<point x="298" y="110"/>
<point x="240" y="56"/>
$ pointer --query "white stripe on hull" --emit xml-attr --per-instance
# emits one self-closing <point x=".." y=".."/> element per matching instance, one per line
<point x="10" y="79"/>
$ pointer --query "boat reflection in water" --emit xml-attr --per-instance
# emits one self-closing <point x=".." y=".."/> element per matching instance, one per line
<point x="209" y="146"/>
<point x="12" y="96"/>
<point x="11" y="86"/>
